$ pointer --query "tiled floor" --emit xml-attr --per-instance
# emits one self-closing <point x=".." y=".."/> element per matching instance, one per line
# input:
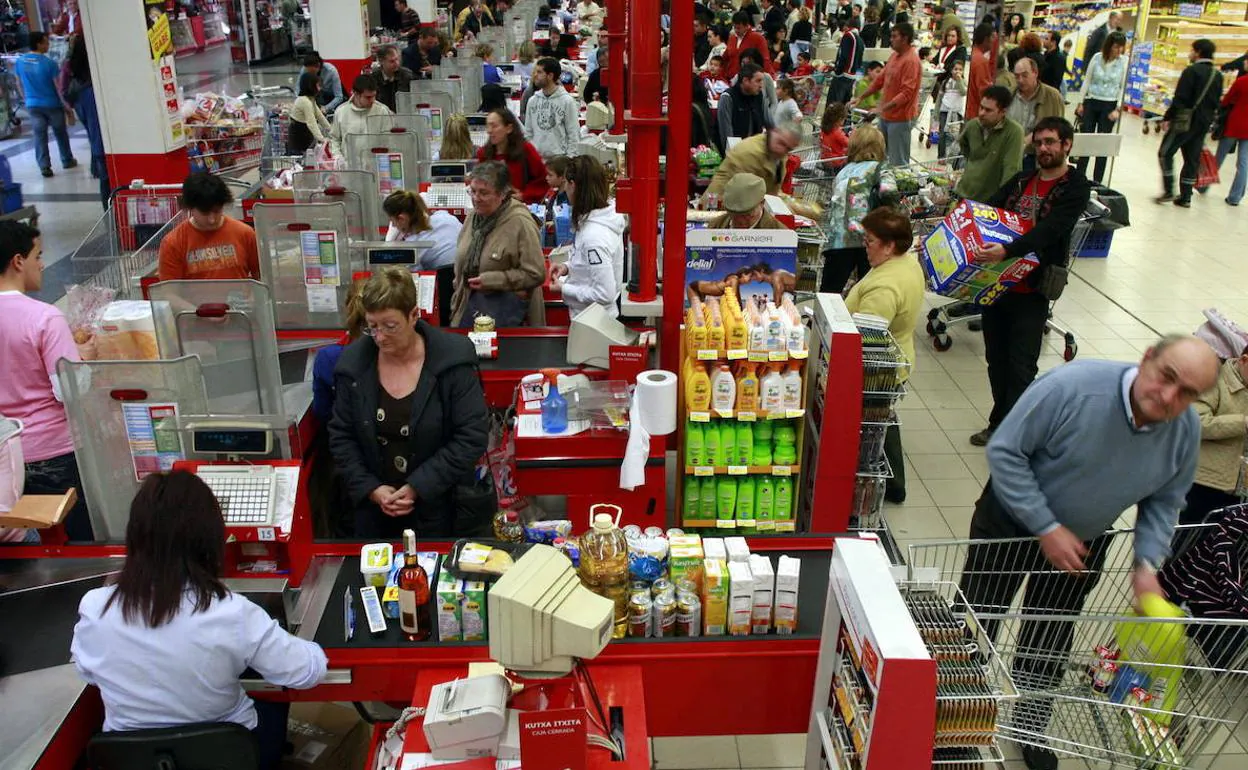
<point x="1162" y="272"/>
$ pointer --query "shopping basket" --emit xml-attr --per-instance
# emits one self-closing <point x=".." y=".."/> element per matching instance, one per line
<point x="1097" y="681"/>
<point x="111" y="254"/>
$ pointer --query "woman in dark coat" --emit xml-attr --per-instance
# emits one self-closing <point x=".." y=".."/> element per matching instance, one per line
<point x="409" y="420"/>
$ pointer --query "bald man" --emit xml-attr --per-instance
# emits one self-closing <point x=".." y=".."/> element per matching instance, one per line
<point x="1086" y="441"/>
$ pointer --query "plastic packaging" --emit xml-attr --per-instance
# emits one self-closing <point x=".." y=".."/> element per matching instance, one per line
<point x="706" y="500"/>
<point x="723" y="390"/>
<point x="727" y="442"/>
<point x="695" y="444"/>
<point x="554" y="406"/>
<point x="710" y="440"/>
<point x="783" y="500"/>
<point x="604" y="567"/>
<point x="698" y="389"/>
<point x="726" y="487"/>
<point x="764" y="500"/>
<point x="745" y="443"/>
<point x="507" y="527"/>
<point x="692" y="490"/>
<point x="792" y="388"/>
<point x="482" y="559"/>
<point x="772" y="390"/>
<point x="746" y="490"/>
<point x="747" y="388"/>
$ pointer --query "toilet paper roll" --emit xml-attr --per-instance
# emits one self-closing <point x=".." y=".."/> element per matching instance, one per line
<point x="656" y="401"/>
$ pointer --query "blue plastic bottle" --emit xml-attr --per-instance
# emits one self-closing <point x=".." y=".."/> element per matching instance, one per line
<point x="554" y="406"/>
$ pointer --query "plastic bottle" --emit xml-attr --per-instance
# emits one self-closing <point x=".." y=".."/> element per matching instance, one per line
<point x="706" y="500"/>
<point x="747" y="388"/>
<point x="782" y="507"/>
<point x="797" y="332"/>
<point x="604" y="567"/>
<point x="693" y="488"/>
<point x="715" y="328"/>
<point x="726" y="488"/>
<point x="727" y="442"/>
<point x="792" y="388"/>
<point x="774" y="329"/>
<point x="784" y="432"/>
<point x="723" y="390"/>
<point x="764" y="499"/>
<point x="784" y="454"/>
<point x="710" y="441"/>
<point x="771" y="389"/>
<point x="745" y="443"/>
<point x="762" y="452"/>
<point x="763" y="431"/>
<point x="738" y="333"/>
<point x="554" y="406"/>
<point x="746" y="490"/>
<point x="697" y="326"/>
<point x="695" y="444"/>
<point x="508" y="528"/>
<point x="758" y="332"/>
<point x="698" y="390"/>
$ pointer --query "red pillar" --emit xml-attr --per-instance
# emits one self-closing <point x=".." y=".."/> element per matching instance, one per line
<point x="644" y="122"/>
<point x="675" y="203"/>
<point x="617" y="40"/>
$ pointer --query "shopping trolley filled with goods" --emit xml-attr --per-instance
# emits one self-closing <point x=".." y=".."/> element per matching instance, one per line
<point x="1104" y="676"/>
<point x="274" y="103"/>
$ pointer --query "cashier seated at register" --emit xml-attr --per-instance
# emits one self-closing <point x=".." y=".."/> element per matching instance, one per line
<point x="210" y="243"/>
<point x="166" y="642"/>
<point x="409" y="419"/>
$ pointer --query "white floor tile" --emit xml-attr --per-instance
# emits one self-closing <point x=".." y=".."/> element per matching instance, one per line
<point x="932" y="467"/>
<point x="715" y="752"/>
<point x="766" y="751"/>
<point x="911" y="523"/>
<point x="953" y="493"/>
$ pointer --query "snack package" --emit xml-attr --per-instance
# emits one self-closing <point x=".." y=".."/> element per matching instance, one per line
<point x="83" y="307"/>
<point x="949" y="253"/>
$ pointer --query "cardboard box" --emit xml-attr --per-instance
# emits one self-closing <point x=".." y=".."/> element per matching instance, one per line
<point x="325" y="736"/>
<point x="764" y="587"/>
<point x="949" y="253"/>
<point x="786" y="612"/>
<point x="449" y="598"/>
<point x="714" y="548"/>
<point x="740" y="598"/>
<point x="737" y="549"/>
<point x="685" y="557"/>
<point x="715" y="598"/>
<point x="788" y="574"/>
<point x="472" y="611"/>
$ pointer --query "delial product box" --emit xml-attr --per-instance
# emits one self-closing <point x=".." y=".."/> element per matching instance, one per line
<point x="740" y="598"/>
<point x="472" y="611"/>
<point x="949" y="253"/>
<point x="764" y="587"/>
<point x="449" y="598"/>
<point x="737" y="549"/>
<point x="715" y="598"/>
<point x="685" y="558"/>
<point x="788" y="576"/>
<point x="713" y="548"/>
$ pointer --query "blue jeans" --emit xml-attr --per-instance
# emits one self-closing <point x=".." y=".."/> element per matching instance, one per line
<point x="897" y="139"/>
<point x="1241" y="166"/>
<point x="54" y="117"/>
<point x="90" y="116"/>
<point x="53" y="477"/>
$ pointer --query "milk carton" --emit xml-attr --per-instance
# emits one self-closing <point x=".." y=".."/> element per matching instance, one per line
<point x="788" y="576"/>
<point x="740" y="598"/>
<point x="472" y="611"/>
<point x="764" y="587"/>
<point x="449" y="598"/>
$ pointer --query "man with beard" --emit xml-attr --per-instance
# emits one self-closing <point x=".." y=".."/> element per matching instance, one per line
<point x="1051" y="197"/>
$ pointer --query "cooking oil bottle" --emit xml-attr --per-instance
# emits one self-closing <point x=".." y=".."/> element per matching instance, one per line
<point x="604" y="567"/>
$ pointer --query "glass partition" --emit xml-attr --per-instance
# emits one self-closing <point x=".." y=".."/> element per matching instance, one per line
<point x="306" y="262"/>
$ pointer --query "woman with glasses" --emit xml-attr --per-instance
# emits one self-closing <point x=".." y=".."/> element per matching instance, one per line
<point x="409" y="420"/>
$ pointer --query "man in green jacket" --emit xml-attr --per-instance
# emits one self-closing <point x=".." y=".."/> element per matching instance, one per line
<point x="992" y="146"/>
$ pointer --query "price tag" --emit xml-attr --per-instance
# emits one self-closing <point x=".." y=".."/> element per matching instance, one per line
<point x="708" y="355"/>
<point x="778" y="355"/>
<point x="766" y="526"/>
<point x="737" y="355"/>
<point x="266" y="534"/>
<point x="747" y="416"/>
<point x="781" y="470"/>
<point x="699" y="416"/>
<point x="758" y="356"/>
<point x="799" y="354"/>
<point x="792" y="413"/>
<point x="726" y="523"/>
<point x="786" y="526"/>
<point x="737" y="470"/>
<point x="703" y="470"/>
<point x="724" y="412"/>
<point x="748" y="523"/>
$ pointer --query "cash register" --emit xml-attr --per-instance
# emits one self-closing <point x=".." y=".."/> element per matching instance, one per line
<point x="247" y="493"/>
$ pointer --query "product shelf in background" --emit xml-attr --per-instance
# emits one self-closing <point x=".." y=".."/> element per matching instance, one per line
<point x="742" y="470"/>
<point x="744" y="416"/>
<point x="743" y="526"/>
<point x="753" y="356"/>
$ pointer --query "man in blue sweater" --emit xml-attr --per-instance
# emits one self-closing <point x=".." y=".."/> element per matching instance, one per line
<point x="38" y="74"/>
<point x="1083" y="444"/>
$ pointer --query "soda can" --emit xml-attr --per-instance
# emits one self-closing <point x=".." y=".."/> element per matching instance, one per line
<point x="632" y="531"/>
<point x="688" y="614"/>
<point x="664" y="613"/>
<point x="674" y="532"/>
<point x="661" y="587"/>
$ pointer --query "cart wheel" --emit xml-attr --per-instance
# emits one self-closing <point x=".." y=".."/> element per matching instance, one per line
<point x="942" y="342"/>
<point x="1146" y="128"/>
<point x="931" y="330"/>
<point x="1070" y="352"/>
<point x="933" y="314"/>
<point x="937" y="329"/>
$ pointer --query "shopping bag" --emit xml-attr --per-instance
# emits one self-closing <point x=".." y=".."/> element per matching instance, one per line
<point x="1207" y="176"/>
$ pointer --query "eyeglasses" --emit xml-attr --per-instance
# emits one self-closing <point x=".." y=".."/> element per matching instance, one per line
<point x="386" y="329"/>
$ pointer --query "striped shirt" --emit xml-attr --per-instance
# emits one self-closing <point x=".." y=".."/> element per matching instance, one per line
<point x="1209" y="576"/>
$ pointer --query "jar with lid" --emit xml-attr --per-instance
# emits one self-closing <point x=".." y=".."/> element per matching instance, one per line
<point x="507" y="527"/>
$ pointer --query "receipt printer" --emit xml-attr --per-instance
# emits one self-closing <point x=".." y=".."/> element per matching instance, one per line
<point x="466" y="718"/>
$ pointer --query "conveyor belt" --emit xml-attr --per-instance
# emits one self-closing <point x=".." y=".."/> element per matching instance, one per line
<point x="39" y="625"/>
<point x="812" y="595"/>
<point x="528" y="354"/>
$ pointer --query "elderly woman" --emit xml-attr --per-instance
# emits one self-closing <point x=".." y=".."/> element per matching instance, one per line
<point x="499" y="266"/>
<point x="1223" y="412"/>
<point x="844" y="253"/>
<point x="893" y="290"/>
<point x="409" y="419"/>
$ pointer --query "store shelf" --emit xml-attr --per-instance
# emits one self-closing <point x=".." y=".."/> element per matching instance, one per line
<point x="742" y="470"/>
<point x="753" y="356"/>
<point x="743" y="416"/>
<point x="742" y="526"/>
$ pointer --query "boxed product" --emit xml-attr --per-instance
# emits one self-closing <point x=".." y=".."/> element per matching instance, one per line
<point x="737" y="549"/>
<point x="472" y="611"/>
<point x="949" y="253"/>
<point x="715" y="598"/>
<point x="764" y="587"/>
<point x="449" y="597"/>
<point x="788" y="576"/>
<point x="324" y="736"/>
<point x="740" y="598"/>
<point x="685" y="558"/>
<point x="713" y="548"/>
<point x="127" y="332"/>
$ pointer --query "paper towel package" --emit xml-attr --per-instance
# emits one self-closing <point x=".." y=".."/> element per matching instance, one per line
<point x="949" y="253"/>
<point x="127" y="332"/>
<point x="656" y="401"/>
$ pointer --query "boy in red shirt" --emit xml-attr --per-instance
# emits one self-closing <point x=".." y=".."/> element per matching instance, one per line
<point x="210" y="244"/>
<point x="804" y="68"/>
<point x="713" y="77"/>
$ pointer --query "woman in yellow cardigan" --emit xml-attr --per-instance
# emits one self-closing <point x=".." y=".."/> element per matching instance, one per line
<point x="893" y="291"/>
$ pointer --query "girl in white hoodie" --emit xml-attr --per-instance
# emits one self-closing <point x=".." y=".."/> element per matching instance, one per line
<point x="594" y="271"/>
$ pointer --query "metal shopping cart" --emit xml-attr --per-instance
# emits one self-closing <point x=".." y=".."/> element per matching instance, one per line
<point x="1097" y="682"/>
<point x="112" y="255"/>
<point x="275" y="101"/>
<point x="940" y="319"/>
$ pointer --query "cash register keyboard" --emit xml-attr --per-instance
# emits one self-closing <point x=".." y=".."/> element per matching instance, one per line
<point x="447" y="195"/>
<point x="246" y="492"/>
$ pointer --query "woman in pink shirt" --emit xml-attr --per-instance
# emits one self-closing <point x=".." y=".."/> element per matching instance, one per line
<point x="33" y="337"/>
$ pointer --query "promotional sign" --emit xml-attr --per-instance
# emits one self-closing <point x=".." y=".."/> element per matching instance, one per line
<point x="160" y="41"/>
<point x="761" y="264"/>
<point x="554" y="739"/>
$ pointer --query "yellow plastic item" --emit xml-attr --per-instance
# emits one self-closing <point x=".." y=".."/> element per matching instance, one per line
<point x="747" y="388"/>
<point x="698" y="390"/>
<point x="1157" y="650"/>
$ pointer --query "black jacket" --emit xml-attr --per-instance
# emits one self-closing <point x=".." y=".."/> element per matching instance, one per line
<point x="742" y="115"/>
<point x="701" y="50"/>
<point x="1054" y="69"/>
<point x="1096" y="41"/>
<point x="849" y="54"/>
<point x="773" y="20"/>
<point x="388" y="90"/>
<point x="1191" y="83"/>
<point x="449" y="421"/>
<point x="1049" y="237"/>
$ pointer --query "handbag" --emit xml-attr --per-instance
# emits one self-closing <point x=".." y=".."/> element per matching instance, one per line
<point x="505" y="307"/>
<point x="1181" y="120"/>
<point x="1052" y="282"/>
<point x="1207" y="175"/>
<point x="474" y="500"/>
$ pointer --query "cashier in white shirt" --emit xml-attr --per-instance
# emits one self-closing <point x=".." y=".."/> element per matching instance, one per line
<point x="410" y="220"/>
<point x="167" y="641"/>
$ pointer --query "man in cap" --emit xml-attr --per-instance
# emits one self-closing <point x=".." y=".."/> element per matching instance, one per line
<point x="745" y="207"/>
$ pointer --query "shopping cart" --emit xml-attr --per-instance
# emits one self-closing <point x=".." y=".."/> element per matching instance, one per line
<point x="112" y="254"/>
<point x="939" y="319"/>
<point x="1097" y="682"/>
